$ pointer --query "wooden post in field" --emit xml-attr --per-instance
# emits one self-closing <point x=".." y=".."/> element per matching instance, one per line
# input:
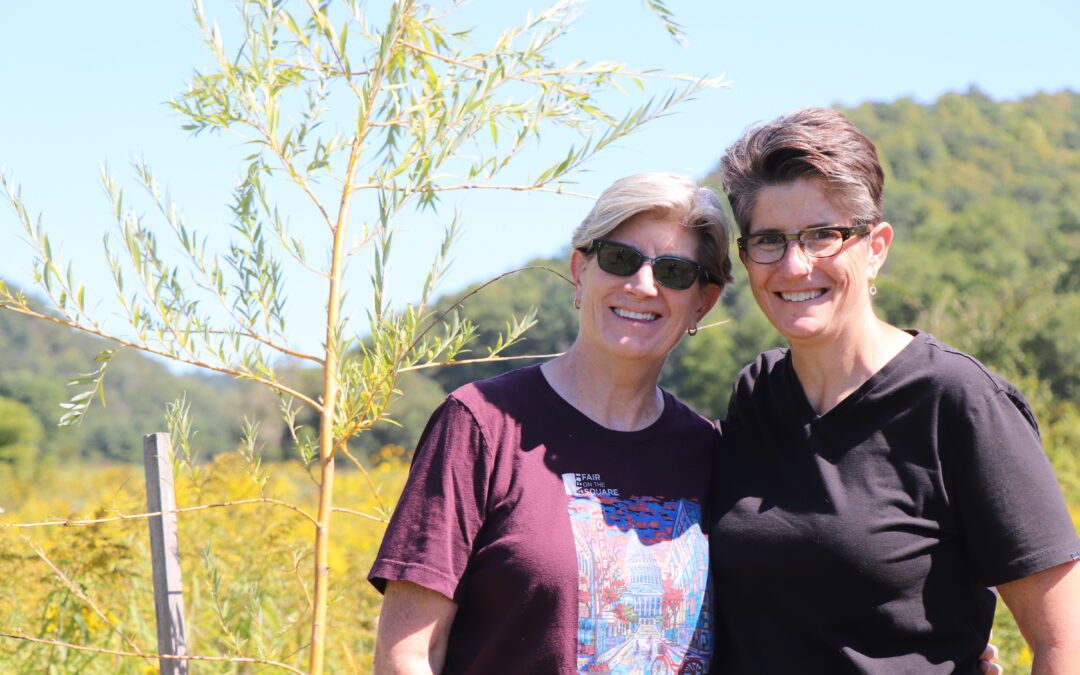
<point x="165" y="552"/>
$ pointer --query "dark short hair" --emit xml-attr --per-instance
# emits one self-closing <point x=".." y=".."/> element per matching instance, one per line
<point x="667" y="195"/>
<point x="814" y="143"/>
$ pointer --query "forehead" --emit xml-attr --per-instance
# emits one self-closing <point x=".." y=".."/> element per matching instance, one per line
<point x="656" y="234"/>
<point x="792" y="207"/>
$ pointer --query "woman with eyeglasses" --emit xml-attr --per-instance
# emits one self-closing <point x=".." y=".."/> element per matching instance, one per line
<point x="552" y="518"/>
<point x="874" y="481"/>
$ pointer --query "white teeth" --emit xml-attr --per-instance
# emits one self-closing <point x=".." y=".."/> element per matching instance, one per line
<point x="640" y="316"/>
<point x="800" y="296"/>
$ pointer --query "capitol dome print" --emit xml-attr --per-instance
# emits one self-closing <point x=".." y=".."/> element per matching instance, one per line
<point x="642" y="568"/>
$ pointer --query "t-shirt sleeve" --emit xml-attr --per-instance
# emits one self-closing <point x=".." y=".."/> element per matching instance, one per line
<point x="1011" y="509"/>
<point x="430" y="536"/>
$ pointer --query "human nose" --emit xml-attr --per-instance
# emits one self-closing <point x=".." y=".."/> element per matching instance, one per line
<point x="795" y="259"/>
<point x="643" y="282"/>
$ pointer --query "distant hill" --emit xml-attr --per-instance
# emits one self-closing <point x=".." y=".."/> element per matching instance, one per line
<point x="38" y="359"/>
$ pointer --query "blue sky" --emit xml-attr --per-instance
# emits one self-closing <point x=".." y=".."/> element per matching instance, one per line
<point x="85" y="82"/>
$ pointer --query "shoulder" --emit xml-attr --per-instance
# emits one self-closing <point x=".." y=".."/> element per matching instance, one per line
<point x="510" y="385"/>
<point x="511" y="394"/>
<point x="955" y="380"/>
<point x="763" y="388"/>
<point x="764" y="364"/>
<point x="680" y="416"/>
<point x="953" y="372"/>
<point x="472" y="419"/>
<point x="765" y="368"/>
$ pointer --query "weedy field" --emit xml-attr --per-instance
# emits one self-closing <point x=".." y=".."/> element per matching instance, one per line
<point x="245" y="569"/>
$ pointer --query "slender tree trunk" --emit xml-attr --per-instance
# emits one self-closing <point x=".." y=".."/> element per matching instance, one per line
<point x="326" y="483"/>
<point x="322" y="529"/>
<point x="326" y="429"/>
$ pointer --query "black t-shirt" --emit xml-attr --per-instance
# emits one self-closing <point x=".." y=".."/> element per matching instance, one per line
<point x="863" y="540"/>
<point x="568" y="547"/>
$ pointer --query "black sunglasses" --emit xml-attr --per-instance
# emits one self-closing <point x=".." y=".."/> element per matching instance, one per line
<point x="668" y="270"/>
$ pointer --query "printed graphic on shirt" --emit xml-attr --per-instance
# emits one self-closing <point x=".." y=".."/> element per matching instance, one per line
<point x="644" y="592"/>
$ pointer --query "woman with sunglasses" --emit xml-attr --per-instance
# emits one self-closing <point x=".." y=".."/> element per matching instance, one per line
<point x="551" y="521"/>
<point x="875" y="481"/>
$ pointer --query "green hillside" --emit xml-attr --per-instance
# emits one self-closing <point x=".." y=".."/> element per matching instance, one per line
<point x="39" y="358"/>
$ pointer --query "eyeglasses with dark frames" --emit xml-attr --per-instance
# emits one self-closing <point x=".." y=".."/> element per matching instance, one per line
<point x="624" y="260"/>
<point x="817" y="242"/>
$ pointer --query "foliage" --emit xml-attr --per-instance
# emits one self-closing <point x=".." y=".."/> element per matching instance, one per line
<point x="245" y="568"/>
<point x="20" y="433"/>
<point x="983" y="197"/>
<point x="39" y="357"/>
<point x="541" y="287"/>
<point x="371" y="119"/>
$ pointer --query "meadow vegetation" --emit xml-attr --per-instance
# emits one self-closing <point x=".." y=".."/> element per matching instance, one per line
<point x="246" y="568"/>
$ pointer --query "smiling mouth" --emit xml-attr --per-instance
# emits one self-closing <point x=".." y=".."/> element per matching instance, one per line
<point x="637" y="316"/>
<point x="802" y="296"/>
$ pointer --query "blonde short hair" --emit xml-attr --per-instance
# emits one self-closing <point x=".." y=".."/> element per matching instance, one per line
<point x="667" y="195"/>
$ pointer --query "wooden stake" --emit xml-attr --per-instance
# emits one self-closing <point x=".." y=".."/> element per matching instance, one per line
<point x="165" y="552"/>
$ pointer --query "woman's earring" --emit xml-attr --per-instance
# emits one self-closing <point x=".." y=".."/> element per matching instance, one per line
<point x="577" y="303"/>
<point x="691" y="331"/>
<point x="873" y="289"/>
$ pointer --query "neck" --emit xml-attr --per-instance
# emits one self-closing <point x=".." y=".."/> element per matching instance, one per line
<point x="831" y="370"/>
<point x="620" y="396"/>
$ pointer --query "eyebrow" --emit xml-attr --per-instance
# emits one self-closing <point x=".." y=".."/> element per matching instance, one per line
<point x="776" y="230"/>
<point x="661" y="255"/>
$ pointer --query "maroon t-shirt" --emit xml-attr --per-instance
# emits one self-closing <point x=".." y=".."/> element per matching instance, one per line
<point x="567" y="546"/>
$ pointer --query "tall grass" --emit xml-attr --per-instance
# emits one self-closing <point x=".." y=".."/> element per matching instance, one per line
<point x="246" y="568"/>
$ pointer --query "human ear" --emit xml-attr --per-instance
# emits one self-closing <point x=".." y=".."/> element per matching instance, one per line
<point x="578" y="261"/>
<point x="710" y="293"/>
<point x="880" y="239"/>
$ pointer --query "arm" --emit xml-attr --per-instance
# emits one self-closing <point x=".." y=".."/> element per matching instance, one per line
<point x="428" y="543"/>
<point x="413" y="628"/>
<point x="1046" y="607"/>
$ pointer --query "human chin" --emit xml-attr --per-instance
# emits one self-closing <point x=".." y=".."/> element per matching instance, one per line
<point x="637" y="343"/>
<point x="797" y="329"/>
